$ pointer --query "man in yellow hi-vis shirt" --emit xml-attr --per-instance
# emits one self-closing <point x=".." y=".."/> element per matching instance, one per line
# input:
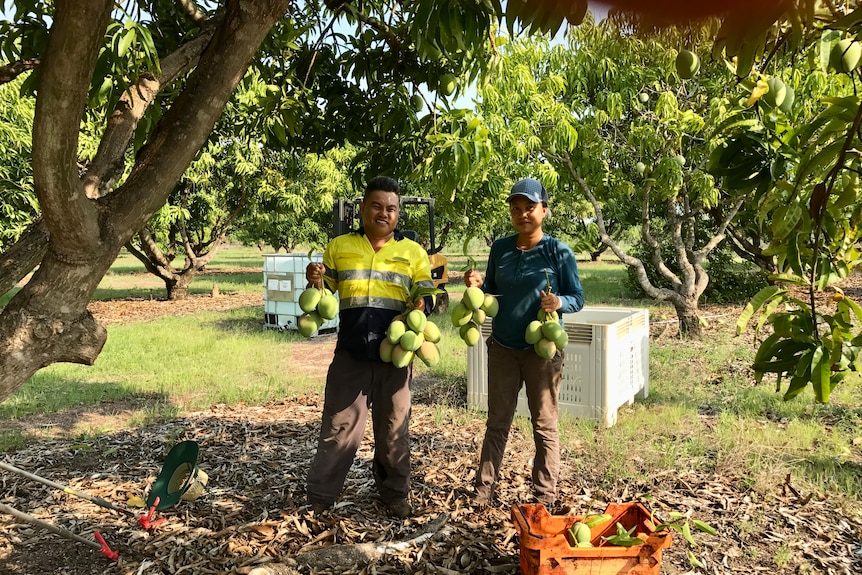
<point x="372" y="269"/>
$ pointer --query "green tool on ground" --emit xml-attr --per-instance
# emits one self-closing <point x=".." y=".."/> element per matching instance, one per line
<point x="180" y="477"/>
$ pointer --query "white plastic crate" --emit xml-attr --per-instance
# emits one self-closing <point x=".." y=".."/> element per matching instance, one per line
<point x="283" y="282"/>
<point x="606" y="364"/>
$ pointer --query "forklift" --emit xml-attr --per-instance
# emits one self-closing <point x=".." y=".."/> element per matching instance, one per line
<point x="345" y="214"/>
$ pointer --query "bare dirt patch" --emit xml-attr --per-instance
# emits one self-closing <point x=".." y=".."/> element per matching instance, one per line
<point x="114" y="312"/>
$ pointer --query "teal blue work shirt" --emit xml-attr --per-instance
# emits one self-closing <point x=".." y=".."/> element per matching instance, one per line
<point x="517" y="276"/>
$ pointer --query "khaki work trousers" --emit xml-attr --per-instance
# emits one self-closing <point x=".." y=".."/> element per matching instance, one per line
<point x="353" y="387"/>
<point x="508" y="369"/>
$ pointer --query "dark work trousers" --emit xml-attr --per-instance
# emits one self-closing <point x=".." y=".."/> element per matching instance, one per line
<point x="507" y="370"/>
<point x="353" y="386"/>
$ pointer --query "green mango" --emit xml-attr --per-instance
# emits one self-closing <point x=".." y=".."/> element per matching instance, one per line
<point x="386" y="348"/>
<point x="309" y="298"/>
<point x="429" y="353"/>
<point x="473" y="298"/>
<point x="327" y="307"/>
<point x="431" y="332"/>
<point x="490" y="306"/>
<point x="395" y="330"/>
<point x="416" y="320"/>
<point x="545" y="348"/>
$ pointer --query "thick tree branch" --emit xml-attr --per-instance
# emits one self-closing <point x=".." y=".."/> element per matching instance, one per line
<point x="720" y="233"/>
<point x="28" y="251"/>
<point x="150" y="255"/>
<point x="24" y="255"/>
<point x="685" y="284"/>
<point x="192" y="10"/>
<point x="9" y="72"/>
<point x="660" y="294"/>
<point x="77" y="34"/>
<point x="187" y="125"/>
<point x="654" y="246"/>
<point x="746" y="249"/>
<point x="391" y="37"/>
<point x="109" y="162"/>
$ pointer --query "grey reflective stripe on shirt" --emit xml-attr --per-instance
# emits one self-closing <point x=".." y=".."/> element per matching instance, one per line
<point x="373" y="302"/>
<point x="374" y="275"/>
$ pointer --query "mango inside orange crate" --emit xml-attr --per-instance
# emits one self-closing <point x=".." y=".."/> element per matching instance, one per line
<point x="544" y="549"/>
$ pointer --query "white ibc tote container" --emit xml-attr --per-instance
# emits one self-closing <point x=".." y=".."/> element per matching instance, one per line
<point x="606" y="364"/>
<point x="283" y="282"/>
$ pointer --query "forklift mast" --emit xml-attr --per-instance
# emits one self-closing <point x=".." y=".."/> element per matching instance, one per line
<point x="346" y="212"/>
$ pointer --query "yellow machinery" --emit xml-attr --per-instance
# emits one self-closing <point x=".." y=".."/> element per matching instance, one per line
<point x="346" y="212"/>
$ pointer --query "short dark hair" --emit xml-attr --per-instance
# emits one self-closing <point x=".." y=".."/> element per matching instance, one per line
<point x="382" y="184"/>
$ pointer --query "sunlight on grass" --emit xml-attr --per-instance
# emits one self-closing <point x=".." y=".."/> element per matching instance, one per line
<point x="219" y="358"/>
<point x="11" y="440"/>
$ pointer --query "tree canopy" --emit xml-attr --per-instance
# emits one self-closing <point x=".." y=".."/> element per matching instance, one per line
<point x="149" y="79"/>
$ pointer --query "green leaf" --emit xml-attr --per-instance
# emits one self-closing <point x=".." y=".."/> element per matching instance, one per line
<point x="820" y="374"/>
<point x="788" y="278"/>
<point x="418" y="292"/>
<point x="797" y="386"/>
<point x="624" y="540"/>
<point x="126" y="41"/>
<point x="693" y="560"/>
<point x="852" y="305"/>
<point x="785" y="221"/>
<point x="703" y="526"/>
<point x="686" y="533"/>
<point x="739" y="123"/>
<point x="756" y="302"/>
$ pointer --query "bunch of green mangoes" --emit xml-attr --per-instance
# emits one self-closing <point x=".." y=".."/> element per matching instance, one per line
<point x="411" y="335"/>
<point x="470" y="313"/>
<point x="546" y="334"/>
<point x="319" y="306"/>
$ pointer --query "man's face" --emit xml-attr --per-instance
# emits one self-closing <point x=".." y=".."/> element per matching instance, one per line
<point x="380" y="211"/>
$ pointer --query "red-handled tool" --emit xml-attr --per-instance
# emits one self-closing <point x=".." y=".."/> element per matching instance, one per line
<point x="102" y="546"/>
<point x="144" y="520"/>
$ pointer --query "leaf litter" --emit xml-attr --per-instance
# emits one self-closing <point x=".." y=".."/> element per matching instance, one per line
<point x="253" y="512"/>
<point x="253" y="520"/>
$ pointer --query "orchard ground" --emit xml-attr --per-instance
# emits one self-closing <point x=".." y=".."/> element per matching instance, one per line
<point x="256" y="456"/>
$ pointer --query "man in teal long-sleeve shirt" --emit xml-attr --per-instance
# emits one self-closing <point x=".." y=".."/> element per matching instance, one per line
<point x="520" y="267"/>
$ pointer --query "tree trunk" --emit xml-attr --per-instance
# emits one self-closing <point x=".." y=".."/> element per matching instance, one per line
<point x="689" y="319"/>
<point x="47" y="320"/>
<point x="178" y="287"/>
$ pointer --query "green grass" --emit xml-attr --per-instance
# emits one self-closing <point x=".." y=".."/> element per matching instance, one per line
<point x="703" y="412"/>
<point x="221" y="358"/>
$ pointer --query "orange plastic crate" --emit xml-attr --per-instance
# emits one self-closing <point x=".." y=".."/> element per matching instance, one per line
<point x="544" y="549"/>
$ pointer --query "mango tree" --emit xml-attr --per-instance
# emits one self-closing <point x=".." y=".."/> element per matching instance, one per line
<point x="792" y="138"/>
<point x="606" y="118"/>
<point x="198" y="216"/>
<point x="92" y="62"/>
<point x="19" y="207"/>
<point x="295" y="199"/>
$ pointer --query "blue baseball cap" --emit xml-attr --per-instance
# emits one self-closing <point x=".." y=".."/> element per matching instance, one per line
<point x="531" y="189"/>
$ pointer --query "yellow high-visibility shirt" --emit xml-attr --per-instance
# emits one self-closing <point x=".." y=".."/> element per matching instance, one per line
<point x="372" y="286"/>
